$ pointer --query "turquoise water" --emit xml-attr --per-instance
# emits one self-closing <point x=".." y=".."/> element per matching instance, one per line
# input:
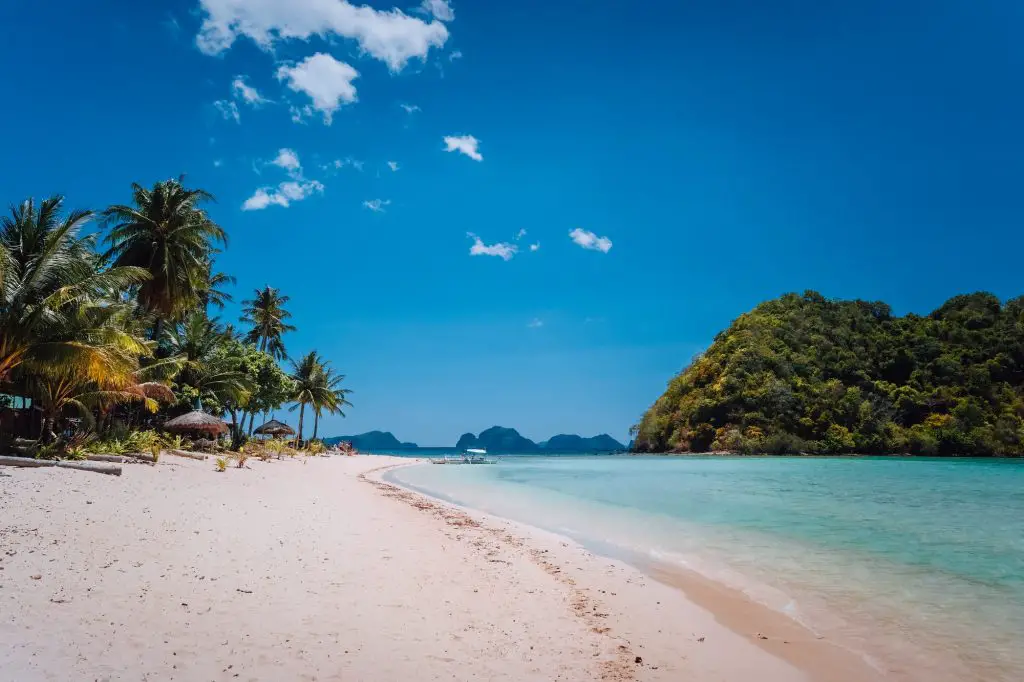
<point x="916" y="564"/>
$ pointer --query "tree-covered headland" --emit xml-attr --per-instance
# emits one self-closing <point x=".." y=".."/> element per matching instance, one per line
<point x="805" y="374"/>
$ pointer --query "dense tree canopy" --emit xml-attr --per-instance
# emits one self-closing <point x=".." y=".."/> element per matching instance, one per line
<point x="807" y="374"/>
<point x="99" y="344"/>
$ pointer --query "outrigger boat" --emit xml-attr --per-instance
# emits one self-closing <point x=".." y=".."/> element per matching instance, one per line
<point x="471" y="456"/>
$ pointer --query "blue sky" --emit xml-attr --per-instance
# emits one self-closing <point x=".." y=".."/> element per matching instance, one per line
<point x="709" y="155"/>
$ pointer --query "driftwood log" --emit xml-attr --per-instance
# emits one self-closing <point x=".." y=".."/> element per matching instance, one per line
<point x="97" y="467"/>
<point x="190" y="455"/>
<point x="117" y="459"/>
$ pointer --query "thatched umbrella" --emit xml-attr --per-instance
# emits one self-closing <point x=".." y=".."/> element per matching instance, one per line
<point x="275" y="428"/>
<point x="197" y="421"/>
<point x="156" y="391"/>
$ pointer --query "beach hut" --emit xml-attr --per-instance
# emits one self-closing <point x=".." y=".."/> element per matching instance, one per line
<point x="155" y="391"/>
<point x="197" y="422"/>
<point x="275" y="428"/>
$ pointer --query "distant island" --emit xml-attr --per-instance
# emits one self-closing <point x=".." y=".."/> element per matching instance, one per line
<point x="373" y="440"/>
<point x="805" y="374"/>
<point x="494" y="439"/>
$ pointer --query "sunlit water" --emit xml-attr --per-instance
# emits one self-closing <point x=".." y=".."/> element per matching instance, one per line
<point x="916" y="564"/>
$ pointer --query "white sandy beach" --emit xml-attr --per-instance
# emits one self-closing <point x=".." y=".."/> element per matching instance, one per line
<point x="308" y="570"/>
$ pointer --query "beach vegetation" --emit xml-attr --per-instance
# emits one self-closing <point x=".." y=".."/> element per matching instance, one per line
<point x="221" y="463"/>
<point x="106" y="328"/>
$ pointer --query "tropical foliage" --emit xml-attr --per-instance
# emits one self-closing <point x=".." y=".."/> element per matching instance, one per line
<point x="807" y="374"/>
<point x="111" y="342"/>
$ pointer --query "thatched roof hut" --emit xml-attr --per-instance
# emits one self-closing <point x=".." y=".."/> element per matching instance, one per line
<point x="155" y="391"/>
<point x="197" y="421"/>
<point x="275" y="428"/>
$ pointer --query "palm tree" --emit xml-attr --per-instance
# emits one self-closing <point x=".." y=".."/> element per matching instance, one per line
<point x="310" y="387"/>
<point x="198" y="356"/>
<point x="165" y="232"/>
<point x="211" y="291"/>
<point x="60" y="388"/>
<point x="267" y="315"/>
<point x="48" y="274"/>
<point x="336" y="397"/>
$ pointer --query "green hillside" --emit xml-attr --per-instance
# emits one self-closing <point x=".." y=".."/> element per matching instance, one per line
<point x="807" y="374"/>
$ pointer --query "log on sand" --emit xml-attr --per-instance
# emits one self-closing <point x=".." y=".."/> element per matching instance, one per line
<point x="117" y="459"/>
<point x="190" y="455"/>
<point x="97" y="467"/>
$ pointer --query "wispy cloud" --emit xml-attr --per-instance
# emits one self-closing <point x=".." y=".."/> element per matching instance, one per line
<point x="283" y="195"/>
<point x="172" y="25"/>
<point x="391" y="36"/>
<point x="589" y="240"/>
<point x="338" y="164"/>
<point x="228" y="109"/>
<point x="377" y="205"/>
<point x="393" y="165"/>
<point x="464" y="144"/>
<point x="240" y="92"/>
<point x="410" y="108"/>
<point x="455" y="54"/>
<point x="535" y="323"/>
<point x="217" y="163"/>
<point x="535" y="246"/>
<point x="439" y="9"/>
<point x="287" y="192"/>
<point x="289" y="161"/>
<point x="503" y="250"/>
<point x="325" y="80"/>
<point x="247" y="93"/>
<point x="520" y="234"/>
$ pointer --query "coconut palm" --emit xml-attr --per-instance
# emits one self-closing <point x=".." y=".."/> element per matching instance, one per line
<point x="49" y="273"/>
<point x="196" y="347"/>
<point x="267" y="315"/>
<point x="335" y="397"/>
<point x="211" y="290"/>
<point x="60" y="388"/>
<point x="165" y="231"/>
<point x="310" y="387"/>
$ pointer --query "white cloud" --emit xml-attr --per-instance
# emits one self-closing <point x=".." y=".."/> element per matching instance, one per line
<point x="282" y="195"/>
<point x="503" y="250"/>
<point x="228" y="109"/>
<point x="520" y="234"/>
<point x="296" y="189"/>
<point x="439" y="9"/>
<point x="589" y="240"/>
<point x="393" y="165"/>
<point x="217" y="163"/>
<point x="464" y="144"/>
<point x="247" y="93"/>
<point x="338" y="164"/>
<point x="288" y="160"/>
<point x="536" y="323"/>
<point x="535" y="247"/>
<point x="377" y="205"/>
<point x="327" y="81"/>
<point x="391" y="36"/>
<point x="410" y="108"/>
<point x="456" y="54"/>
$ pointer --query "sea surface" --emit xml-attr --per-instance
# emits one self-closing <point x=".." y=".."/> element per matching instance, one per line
<point x="915" y="564"/>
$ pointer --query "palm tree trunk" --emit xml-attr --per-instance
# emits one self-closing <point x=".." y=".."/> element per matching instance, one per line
<point x="316" y="423"/>
<point x="158" y="328"/>
<point x="298" y="436"/>
<point x="252" y="415"/>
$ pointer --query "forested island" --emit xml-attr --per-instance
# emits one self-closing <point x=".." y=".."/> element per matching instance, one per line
<point x="805" y="374"/>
